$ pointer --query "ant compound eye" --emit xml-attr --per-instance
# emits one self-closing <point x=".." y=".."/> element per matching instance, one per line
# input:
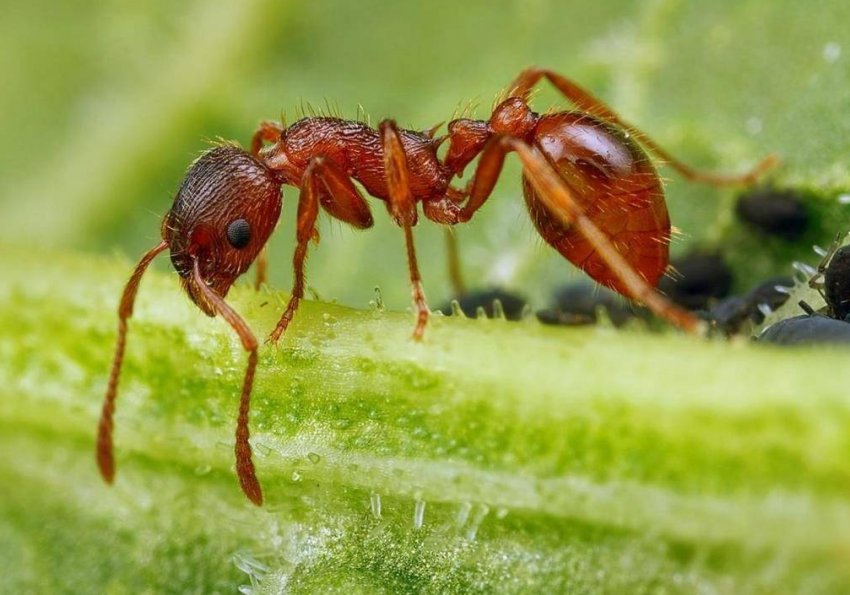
<point x="239" y="233"/>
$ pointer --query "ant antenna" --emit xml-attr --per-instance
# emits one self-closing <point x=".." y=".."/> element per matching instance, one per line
<point x="105" y="459"/>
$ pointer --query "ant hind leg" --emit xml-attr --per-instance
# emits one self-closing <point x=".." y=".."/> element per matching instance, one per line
<point x="529" y="78"/>
<point x="557" y="197"/>
<point x="403" y="209"/>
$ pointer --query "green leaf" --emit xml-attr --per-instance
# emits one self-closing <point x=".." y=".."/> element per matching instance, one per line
<point x="494" y="455"/>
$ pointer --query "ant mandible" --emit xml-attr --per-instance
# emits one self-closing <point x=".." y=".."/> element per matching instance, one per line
<point x="591" y="190"/>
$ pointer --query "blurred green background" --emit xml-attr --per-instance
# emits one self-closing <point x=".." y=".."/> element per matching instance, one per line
<point x="104" y="104"/>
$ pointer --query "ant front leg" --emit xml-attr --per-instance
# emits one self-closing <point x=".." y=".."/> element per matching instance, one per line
<point x="403" y="209"/>
<point x="308" y="211"/>
<point x="268" y="132"/>
<point x="529" y="78"/>
<point x="345" y="204"/>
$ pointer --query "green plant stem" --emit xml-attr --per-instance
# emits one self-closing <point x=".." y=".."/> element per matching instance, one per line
<point x="494" y="455"/>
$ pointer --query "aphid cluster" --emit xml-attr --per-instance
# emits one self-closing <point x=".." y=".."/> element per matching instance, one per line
<point x="590" y="189"/>
<point x="832" y="280"/>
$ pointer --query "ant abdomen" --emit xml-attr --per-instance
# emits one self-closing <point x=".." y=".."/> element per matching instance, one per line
<point x="617" y="187"/>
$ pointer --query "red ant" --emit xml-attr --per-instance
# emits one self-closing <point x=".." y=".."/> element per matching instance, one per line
<point x="591" y="190"/>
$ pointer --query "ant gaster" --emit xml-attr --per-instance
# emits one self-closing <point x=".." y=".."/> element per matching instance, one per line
<point x="590" y="189"/>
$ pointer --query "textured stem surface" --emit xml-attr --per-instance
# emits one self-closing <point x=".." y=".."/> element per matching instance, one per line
<point x="492" y="455"/>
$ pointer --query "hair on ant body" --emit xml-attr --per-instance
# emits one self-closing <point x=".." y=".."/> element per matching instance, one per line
<point x="591" y="191"/>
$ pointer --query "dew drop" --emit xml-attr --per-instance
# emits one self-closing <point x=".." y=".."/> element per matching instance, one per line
<point x="463" y="513"/>
<point x="419" y="514"/>
<point x="313" y="458"/>
<point x="754" y="125"/>
<point x="202" y="469"/>
<point x="831" y="52"/>
<point x="375" y="504"/>
<point x="378" y="302"/>
<point x="477" y="519"/>
<point x="296" y="476"/>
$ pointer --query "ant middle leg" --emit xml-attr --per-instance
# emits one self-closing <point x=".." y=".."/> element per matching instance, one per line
<point x="402" y="207"/>
<point x="585" y="101"/>
<point x="345" y="203"/>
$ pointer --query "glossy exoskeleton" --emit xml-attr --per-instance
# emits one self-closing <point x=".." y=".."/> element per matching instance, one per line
<point x="589" y="186"/>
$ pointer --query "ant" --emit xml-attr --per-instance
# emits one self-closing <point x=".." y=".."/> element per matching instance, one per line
<point x="591" y="191"/>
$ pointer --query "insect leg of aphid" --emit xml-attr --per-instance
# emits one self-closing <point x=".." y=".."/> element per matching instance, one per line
<point x="557" y="197"/>
<point x="105" y="458"/>
<point x="584" y="100"/>
<point x="403" y="209"/>
<point x="816" y="280"/>
<point x="244" y="465"/>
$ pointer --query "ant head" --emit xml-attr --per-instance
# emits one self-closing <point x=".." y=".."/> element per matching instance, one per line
<point x="224" y="212"/>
